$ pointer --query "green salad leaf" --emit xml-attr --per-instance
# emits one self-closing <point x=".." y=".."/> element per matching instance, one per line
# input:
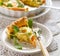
<point x="9" y="5"/>
<point x="16" y="29"/>
<point x="30" y="23"/>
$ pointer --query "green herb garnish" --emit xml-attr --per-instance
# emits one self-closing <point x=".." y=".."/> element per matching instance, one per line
<point x="12" y="36"/>
<point x="16" y="29"/>
<point x="20" y="4"/>
<point x="30" y="23"/>
<point x="1" y="3"/>
<point x="9" y="5"/>
<point x="29" y="33"/>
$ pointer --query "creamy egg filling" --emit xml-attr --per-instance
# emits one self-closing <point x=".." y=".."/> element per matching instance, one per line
<point x="25" y="34"/>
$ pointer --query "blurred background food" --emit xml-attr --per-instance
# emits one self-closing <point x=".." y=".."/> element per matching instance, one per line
<point x="4" y="0"/>
<point x="18" y="8"/>
<point x="33" y="3"/>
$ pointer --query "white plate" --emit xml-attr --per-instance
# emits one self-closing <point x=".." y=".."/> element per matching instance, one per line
<point x="43" y="12"/>
<point x="47" y="39"/>
<point x="17" y="14"/>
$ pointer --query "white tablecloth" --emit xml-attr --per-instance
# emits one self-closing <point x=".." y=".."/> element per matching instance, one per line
<point x="51" y="20"/>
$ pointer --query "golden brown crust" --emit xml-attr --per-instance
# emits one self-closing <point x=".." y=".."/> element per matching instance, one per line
<point x="15" y="8"/>
<point x="18" y="9"/>
<point x="33" y="41"/>
<point x="19" y="23"/>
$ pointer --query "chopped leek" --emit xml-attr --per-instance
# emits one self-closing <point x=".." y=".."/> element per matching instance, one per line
<point x="30" y="23"/>
<point x="16" y="44"/>
<point x="18" y="47"/>
<point x="16" y="29"/>
<point x="15" y="41"/>
<point x="9" y="5"/>
<point x="20" y="4"/>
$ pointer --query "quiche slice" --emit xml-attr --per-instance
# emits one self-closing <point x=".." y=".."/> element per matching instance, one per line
<point x="19" y="23"/>
<point x="14" y="5"/>
<point x="33" y="3"/>
<point x="21" y="30"/>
